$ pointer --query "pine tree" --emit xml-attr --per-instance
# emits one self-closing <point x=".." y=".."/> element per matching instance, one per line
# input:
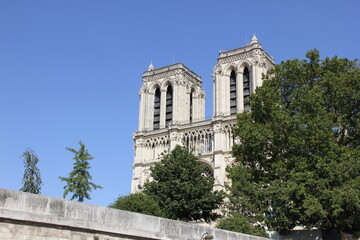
<point x="31" y="179"/>
<point x="78" y="183"/>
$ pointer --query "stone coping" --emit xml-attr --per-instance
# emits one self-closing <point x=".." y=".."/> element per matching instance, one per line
<point x="171" y="68"/>
<point x="25" y="207"/>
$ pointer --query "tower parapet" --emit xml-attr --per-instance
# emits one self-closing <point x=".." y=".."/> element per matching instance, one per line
<point x="236" y="75"/>
<point x="170" y="95"/>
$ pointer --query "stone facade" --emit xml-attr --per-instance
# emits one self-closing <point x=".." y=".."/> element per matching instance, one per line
<point x="25" y="216"/>
<point x="172" y="110"/>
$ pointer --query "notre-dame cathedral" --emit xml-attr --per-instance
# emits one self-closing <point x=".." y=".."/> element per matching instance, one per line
<point x="172" y="110"/>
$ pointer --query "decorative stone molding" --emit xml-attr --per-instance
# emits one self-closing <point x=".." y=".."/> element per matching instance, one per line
<point x="211" y="140"/>
<point x="139" y="142"/>
<point x="202" y="94"/>
<point x="235" y="57"/>
<point x="175" y="136"/>
<point x="170" y="71"/>
<point x="229" y="160"/>
<point x="218" y="128"/>
<point x="156" y="141"/>
<point x="146" y="171"/>
<point x="200" y="140"/>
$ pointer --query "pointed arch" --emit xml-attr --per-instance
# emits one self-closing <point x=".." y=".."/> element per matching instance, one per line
<point x="165" y="84"/>
<point x="169" y="105"/>
<point x="243" y="64"/>
<point x="233" y="104"/>
<point x="191" y="113"/>
<point x="245" y="69"/>
<point x="157" y="101"/>
<point x="246" y="87"/>
<point x="231" y="67"/>
<point x="152" y="88"/>
<point x="209" y="169"/>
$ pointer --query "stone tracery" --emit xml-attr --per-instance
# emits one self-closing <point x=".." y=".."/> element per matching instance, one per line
<point x="200" y="141"/>
<point x="211" y="140"/>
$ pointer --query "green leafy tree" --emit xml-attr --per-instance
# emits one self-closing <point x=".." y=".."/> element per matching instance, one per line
<point x="31" y="179"/>
<point x="182" y="188"/>
<point x="239" y="223"/>
<point x="137" y="202"/>
<point x="298" y="161"/>
<point x="78" y="183"/>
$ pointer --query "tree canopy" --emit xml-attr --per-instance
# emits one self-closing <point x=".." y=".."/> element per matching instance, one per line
<point x="31" y="180"/>
<point x="239" y="223"/>
<point x="298" y="161"/>
<point x="78" y="183"/>
<point x="182" y="188"/>
<point x="137" y="202"/>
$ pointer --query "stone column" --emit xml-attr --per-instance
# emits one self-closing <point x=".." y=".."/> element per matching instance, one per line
<point x="219" y="167"/>
<point x="138" y="160"/>
<point x="201" y="107"/>
<point x="146" y="115"/>
<point x="149" y="110"/>
<point x="183" y="104"/>
<point x="225" y="95"/>
<point x="217" y="95"/>
<point x="195" y="107"/>
<point x="141" y="114"/>
<point x="175" y="102"/>
<point x="239" y="91"/>
<point x="175" y="137"/>
<point x="218" y="138"/>
<point x="252" y="79"/>
<point x="162" y="107"/>
<point x="214" y="94"/>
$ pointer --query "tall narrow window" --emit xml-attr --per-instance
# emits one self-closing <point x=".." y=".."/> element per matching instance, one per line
<point x="191" y="105"/>
<point x="169" y="105"/>
<point x="232" y="92"/>
<point x="246" y="87"/>
<point x="157" y="97"/>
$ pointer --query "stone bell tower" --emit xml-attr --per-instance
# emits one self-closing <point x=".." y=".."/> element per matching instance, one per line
<point x="170" y="95"/>
<point x="236" y="75"/>
<point x="172" y="110"/>
<point x="170" y="98"/>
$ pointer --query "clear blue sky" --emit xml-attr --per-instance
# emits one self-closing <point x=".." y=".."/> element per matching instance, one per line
<point x="71" y="70"/>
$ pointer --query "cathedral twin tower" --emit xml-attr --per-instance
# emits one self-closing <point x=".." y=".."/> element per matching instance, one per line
<point x="172" y="110"/>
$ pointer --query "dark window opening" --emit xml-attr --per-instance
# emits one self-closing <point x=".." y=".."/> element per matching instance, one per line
<point x="191" y="105"/>
<point x="246" y="87"/>
<point x="169" y="105"/>
<point x="207" y="170"/>
<point x="232" y="92"/>
<point x="157" y="97"/>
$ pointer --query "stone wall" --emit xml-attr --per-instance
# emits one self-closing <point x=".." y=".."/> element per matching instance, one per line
<point x="28" y="216"/>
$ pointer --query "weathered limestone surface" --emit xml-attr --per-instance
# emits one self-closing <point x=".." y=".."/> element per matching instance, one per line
<point x="211" y="140"/>
<point x="29" y="216"/>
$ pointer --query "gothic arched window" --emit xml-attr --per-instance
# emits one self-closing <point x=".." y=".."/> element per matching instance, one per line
<point x="157" y="98"/>
<point x="191" y="105"/>
<point x="208" y="171"/>
<point x="232" y="92"/>
<point x="169" y="105"/>
<point x="246" y="87"/>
